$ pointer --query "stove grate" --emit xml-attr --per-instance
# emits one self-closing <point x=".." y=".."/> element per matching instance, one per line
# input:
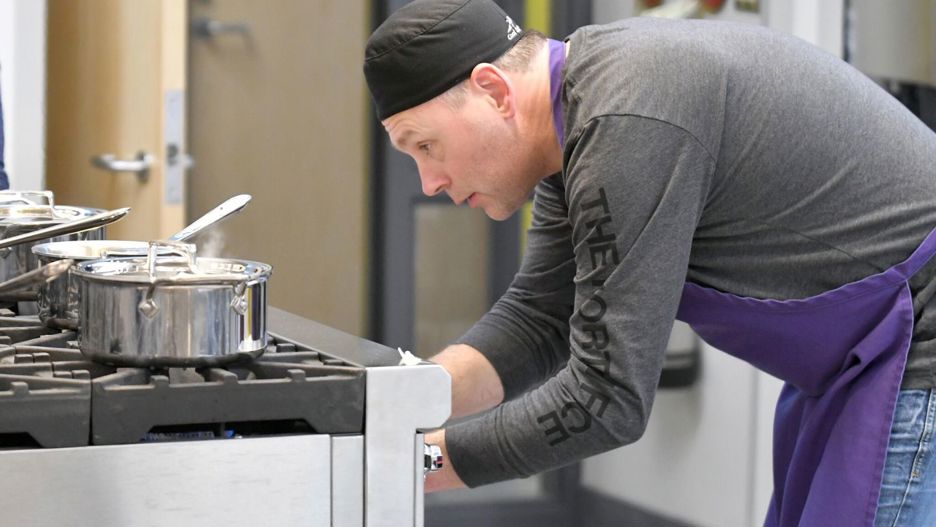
<point x="51" y="393"/>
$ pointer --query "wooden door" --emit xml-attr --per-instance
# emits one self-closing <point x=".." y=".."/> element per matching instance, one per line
<point x="278" y="109"/>
<point x="116" y="81"/>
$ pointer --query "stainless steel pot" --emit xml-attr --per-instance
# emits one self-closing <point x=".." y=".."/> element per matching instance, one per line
<point x="12" y="290"/>
<point x="59" y="299"/>
<point x="22" y="226"/>
<point x="17" y="218"/>
<point x="172" y="311"/>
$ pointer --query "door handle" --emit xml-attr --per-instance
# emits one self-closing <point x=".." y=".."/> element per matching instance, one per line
<point x="140" y="165"/>
<point x="210" y="28"/>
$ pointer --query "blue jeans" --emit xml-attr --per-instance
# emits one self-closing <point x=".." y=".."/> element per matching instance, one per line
<point x="908" y="492"/>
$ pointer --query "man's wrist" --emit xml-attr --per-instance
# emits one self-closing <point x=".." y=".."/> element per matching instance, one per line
<point x="445" y="478"/>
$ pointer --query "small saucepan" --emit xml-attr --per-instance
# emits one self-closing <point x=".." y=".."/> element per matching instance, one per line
<point x="58" y="300"/>
<point x="22" y="225"/>
<point x="21" y="288"/>
<point x="172" y="311"/>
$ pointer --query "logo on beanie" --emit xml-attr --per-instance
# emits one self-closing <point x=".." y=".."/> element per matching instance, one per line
<point x="512" y="29"/>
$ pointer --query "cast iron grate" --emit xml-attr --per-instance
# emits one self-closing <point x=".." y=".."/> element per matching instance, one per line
<point x="51" y="393"/>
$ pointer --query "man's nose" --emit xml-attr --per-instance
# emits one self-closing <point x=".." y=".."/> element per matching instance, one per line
<point x="433" y="182"/>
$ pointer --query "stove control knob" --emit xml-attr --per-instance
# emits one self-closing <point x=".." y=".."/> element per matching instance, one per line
<point x="432" y="458"/>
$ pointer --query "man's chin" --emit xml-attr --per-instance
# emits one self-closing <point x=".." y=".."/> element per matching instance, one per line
<point x="499" y="213"/>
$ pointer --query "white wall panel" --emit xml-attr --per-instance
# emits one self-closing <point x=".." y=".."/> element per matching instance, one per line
<point x="22" y="86"/>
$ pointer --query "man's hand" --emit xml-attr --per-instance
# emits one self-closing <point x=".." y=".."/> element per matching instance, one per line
<point x="475" y="384"/>
<point x="475" y="388"/>
<point x="445" y="478"/>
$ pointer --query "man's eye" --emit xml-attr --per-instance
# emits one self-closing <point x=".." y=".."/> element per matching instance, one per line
<point x="424" y="147"/>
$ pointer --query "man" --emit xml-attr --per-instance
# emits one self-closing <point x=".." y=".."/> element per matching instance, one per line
<point x="743" y="181"/>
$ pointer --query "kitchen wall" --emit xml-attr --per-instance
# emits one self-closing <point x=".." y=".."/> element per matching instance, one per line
<point x="323" y="180"/>
<point x="22" y="86"/>
<point x="273" y="114"/>
<point x="883" y="31"/>
<point x="705" y="458"/>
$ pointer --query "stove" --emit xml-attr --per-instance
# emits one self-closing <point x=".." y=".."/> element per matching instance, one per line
<point x="322" y="429"/>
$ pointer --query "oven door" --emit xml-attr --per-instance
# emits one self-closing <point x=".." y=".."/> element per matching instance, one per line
<point x="284" y="481"/>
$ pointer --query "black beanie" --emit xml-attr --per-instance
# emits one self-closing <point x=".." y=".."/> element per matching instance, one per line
<point x="428" y="46"/>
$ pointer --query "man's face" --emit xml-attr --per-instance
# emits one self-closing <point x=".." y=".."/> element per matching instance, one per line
<point x="472" y="153"/>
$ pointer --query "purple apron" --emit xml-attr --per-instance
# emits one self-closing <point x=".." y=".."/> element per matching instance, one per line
<point x="841" y="355"/>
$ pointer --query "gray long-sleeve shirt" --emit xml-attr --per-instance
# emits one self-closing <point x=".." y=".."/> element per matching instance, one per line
<point x="724" y="154"/>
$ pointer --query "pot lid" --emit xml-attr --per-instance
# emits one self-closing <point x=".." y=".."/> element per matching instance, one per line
<point x="90" y="249"/>
<point x="41" y="215"/>
<point x="173" y="270"/>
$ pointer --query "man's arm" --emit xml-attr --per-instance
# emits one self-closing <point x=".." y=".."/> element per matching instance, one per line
<point x="524" y="337"/>
<point x="475" y="384"/>
<point x="475" y="387"/>
<point x="636" y="189"/>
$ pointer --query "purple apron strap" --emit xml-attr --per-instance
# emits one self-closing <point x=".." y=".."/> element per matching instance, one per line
<point x="919" y="258"/>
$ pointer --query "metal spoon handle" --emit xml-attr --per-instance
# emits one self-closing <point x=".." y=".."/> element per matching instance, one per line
<point x="71" y="227"/>
<point x="211" y="217"/>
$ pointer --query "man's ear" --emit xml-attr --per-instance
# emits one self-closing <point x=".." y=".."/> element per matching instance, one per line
<point x="493" y="83"/>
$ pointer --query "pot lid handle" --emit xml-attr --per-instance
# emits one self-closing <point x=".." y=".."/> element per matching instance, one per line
<point x="25" y="197"/>
<point x="158" y="249"/>
<point x="162" y="247"/>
